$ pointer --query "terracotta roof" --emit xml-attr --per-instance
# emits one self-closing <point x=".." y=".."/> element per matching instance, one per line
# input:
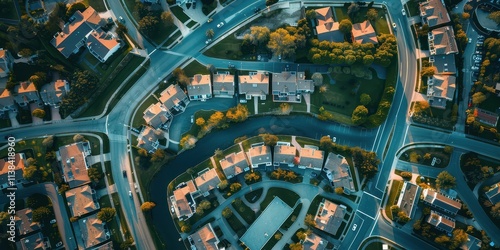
<point x="93" y="231"/>
<point x="182" y="198"/>
<point x="205" y="238"/>
<point x="25" y="92"/>
<point x="436" y="199"/>
<point x="434" y="13"/>
<point x="32" y="242"/>
<point x="207" y="181"/>
<point x="172" y="96"/>
<point x="364" y="33"/>
<point x="74" y="164"/>
<point x="25" y="223"/>
<point x="148" y="139"/>
<point x="314" y="242"/>
<point x="81" y="201"/>
<point x="291" y="82"/>
<point x="102" y="43"/>
<point x="486" y="117"/>
<point x="234" y="164"/>
<point x="442" y="41"/>
<point x="284" y="154"/>
<point x="156" y="115"/>
<point x="441" y="87"/>
<point x="324" y="15"/>
<point x="260" y="154"/>
<point x="53" y="92"/>
<point x="329" y="216"/>
<point x="256" y="83"/>
<point x="472" y="243"/>
<point x="223" y="81"/>
<point x="311" y="158"/>
<point x="441" y="222"/>
<point x="19" y="163"/>
<point x="199" y="85"/>
<point x="6" y="99"/>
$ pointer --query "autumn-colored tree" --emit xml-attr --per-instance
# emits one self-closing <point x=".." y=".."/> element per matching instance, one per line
<point x="317" y="79"/>
<point x="210" y="33"/>
<point x="94" y="174"/>
<point x="216" y="119"/>
<point x="235" y="187"/>
<point x="495" y="16"/>
<point x="78" y="138"/>
<point x="282" y="43"/>
<point x="48" y="142"/>
<point x="269" y="139"/>
<point x="200" y="121"/>
<point x="359" y="115"/>
<point x="106" y="214"/>
<point x="309" y="220"/>
<point x="478" y="98"/>
<point x="227" y="212"/>
<point x="296" y="246"/>
<point x="345" y="26"/>
<point x="365" y="99"/>
<point x="223" y="184"/>
<point x="339" y="190"/>
<point x="237" y="114"/>
<point x="259" y="34"/>
<point x="147" y="206"/>
<point x="372" y="14"/>
<point x="158" y="156"/>
<point x="445" y="180"/>
<point x="428" y="71"/>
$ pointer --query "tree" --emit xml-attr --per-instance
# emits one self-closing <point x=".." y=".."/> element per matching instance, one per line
<point x="126" y="244"/>
<point x="41" y="214"/>
<point x="223" y="184"/>
<point x="74" y="218"/>
<point x="227" y="212"/>
<point x="282" y="43"/>
<point x="309" y="220"/>
<point x="78" y="138"/>
<point x="445" y="180"/>
<point x="142" y="152"/>
<point x="427" y="156"/>
<point x="200" y="121"/>
<point x="148" y="25"/>
<point x="106" y="214"/>
<point x="167" y="17"/>
<point x="345" y="26"/>
<point x="395" y="209"/>
<point x="365" y="99"/>
<point x="442" y="239"/>
<point x="259" y="34"/>
<point x="296" y="246"/>
<point x="25" y="52"/>
<point x="368" y="59"/>
<point x="495" y="16"/>
<point x="78" y="6"/>
<point x="495" y="210"/>
<point x="339" y="190"/>
<point x="40" y="113"/>
<point x="269" y="139"/>
<point x="94" y="174"/>
<point x="147" y="206"/>
<point x="216" y="119"/>
<point x="235" y="187"/>
<point x="352" y="9"/>
<point x="317" y="78"/>
<point x="278" y="236"/>
<point x="37" y="200"/>
<point x="311" y="14"/>
<point x="465" y="16"/>
<point x="403" y="217"/>
<point x="32" y="173"/>
<point x="158" y="156"/>
<point x="48" y="142"/>
<point x="478" y="98"/>
<point x="459" y="238"/>
<point x="210" y="33"/>
<point x="428" y="71"/>
<point x="359" y="115"/>
<point x="271" y="2"/>
<point x="372" y="14"/>
<point x="252" y="177"/>
<point x="4" y="218"/>
<point x="237" y="114"/>
<point x="326" y="143"/>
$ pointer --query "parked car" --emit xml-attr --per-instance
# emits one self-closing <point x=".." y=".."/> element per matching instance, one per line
<point x="59" y="244"/>
<point x="124" y="174"/>
<point x="256" y="10"/>
<point x="121" y="19"/>
<point x="470" y="40"/>
<point x="130" y="194"/>
<point x="208" y="41"/>
<point x="53" y="221"/>
<point x="220" y="24"/>
<point x="394" y="25"/>
<point x="354" y="227"/>
<point x="210" y="20"/>
<point x="192" y="119"/>
<point x="314" y="174"/>
<point x="403" y="12"/>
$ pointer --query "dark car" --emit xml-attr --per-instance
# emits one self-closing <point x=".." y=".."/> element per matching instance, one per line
<point x="256" y="10"/>
<point x="124" y="174"/>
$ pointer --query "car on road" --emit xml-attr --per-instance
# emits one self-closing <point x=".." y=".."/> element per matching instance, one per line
<point x="354" y="227"/>
<point x="220" y="24"/>
<point x="256" y="10"/>
<point x="394" y="25"/>
<point x="172" y="209"/>
<point x="192" y="119"/>
<point x="121" y="19"/>
<point x="130" y="194"/>
<point x="59" y="244"/>
<point x="334" y="139"/>
<point x="124" y="172"/>
<point x="470" y="40"/>
<point x="403" y="12"/>
<point x="208" y="41"/>
<point x="210" y="20"/>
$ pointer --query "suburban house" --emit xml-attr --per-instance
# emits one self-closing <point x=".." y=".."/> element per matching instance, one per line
<point x="326" y="28"/>
<point x="24" y="222"/>
<point x="82" y="200"/>
<point x="442" y="41"/>
<point x="20" y="162"/>
<point x="102" y="44"/>
<point x="157" y="116"/>
<point x="53" y="92"/>
<point x="183" y="203"/>
<point x="408" y="198"/>
<point x="84" y="29"/>
<point x="364" y="33"/>
<point x="441" y="222"/>
<point x="338" y="172"/>
<point x="234" y="164"/>
<point x="329" y="216"/>
<point x="437" y="200"/>
<point x="472" y="243"/>
<point x="34" y="241"/>
<point x="204" y="238"/>
<point x="284" y="155"/>
<point x="6" y="102"/>
<point x="260" y="156"/>
<point x="494" y="194"/>
<point x="207" y="180"/>
<point x="255" y="84"/>
<point x="440" y="88"/>
<point x="444" y="64"/>
<point x="26" y="93"/>
<point x="93" y="231"/>
<point x="174" y="99"/>
<point x="288" y="86"/>
<point x="223" y="84"/>
<point x="6" y="63"/>
<point x="148" y="139"/>
<point x="434" y="13"/>
<point x="486" y="117"/>
<point x="311" y="157"/>
<point x="73" y="159"/>
<point x="199" y="88"/>
<point x="314" y="242"/>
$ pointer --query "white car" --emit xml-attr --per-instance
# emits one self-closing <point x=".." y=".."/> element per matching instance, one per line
<point x="394" y="25"/>
<point x="334" y="139"/>
<point x="220" y="24"/>
<point x="404" y="12"/>
<point x="130" y="194"/>
<point x="470" y="40"/>
<point x="208" y="41"/>
<point x="192" y="119"/>
<point x="53" y="221"/>
<point x="354" y="227"/>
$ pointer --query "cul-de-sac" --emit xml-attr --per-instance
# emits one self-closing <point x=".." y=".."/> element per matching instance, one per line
<point x="249" y="124"/>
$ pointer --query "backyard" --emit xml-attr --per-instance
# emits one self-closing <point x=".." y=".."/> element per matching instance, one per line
<point x="380" y="25"/>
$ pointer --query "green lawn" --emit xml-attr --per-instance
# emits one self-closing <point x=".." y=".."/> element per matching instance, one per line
<point x="174" y="37"/>
<point x="5" y="123"/>
<point x="145" y="173"/>
<point x="195" y="68"/>
<point x="130" y="4"/>
<point x="195" y="129"/>
<point x="289" y="197"/>
<point x="60" y="141"/>
<point x="292" y="218"/>
<point x="8" y="9"/>
<point x="228" y="48"/>
<point x="97" y="107"/>
<point x="98" y="5"/>
<point x="340" y="13"/>
<point x="393" y="195"/>
<point x="138" y="120"/>
<point x="413" y="8"/>
<point x="109" y="175"/>
<point x="245" y="212"/>
<point x="247" y="143"/>
<point x="380" y="24"/>
<point x="178" y="12"/>
<point x="306" y="141"/>
<point x="120" y="215"/>
<point x="254" y="195"/>
<point x="164" y="31"/>
<point x="236" y="225"/>
<point x="91" y="59"/>
<point x="191" y="23"/>
<point x="415" y="153"/>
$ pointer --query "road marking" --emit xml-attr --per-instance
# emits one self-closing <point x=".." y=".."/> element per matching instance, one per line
<point x="376" y="136"/>
<point x="405" y="135"/>
<point x="152" y="52"/>
<point x="372" y="195"/>
<point x="107" y="124"/>
<point x="363" y="221"/>
<point x="374" y="224"/>
<point x="366" y="215"/>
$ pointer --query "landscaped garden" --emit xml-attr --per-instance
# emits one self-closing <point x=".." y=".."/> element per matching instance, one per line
<point x="425" y="155"/>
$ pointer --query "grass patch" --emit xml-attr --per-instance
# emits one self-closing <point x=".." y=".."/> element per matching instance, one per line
<point x="340" y="13"/>
<point x="9" y="10"/>
<point x="236" y="225"/>
<point x="289" y="197"/>
<point x="121" y="216"/>
<point x="254" y="195"/>
<point x="164" y="31"/>
<point x="107" y="166"/>
<point x="178" y="12"/>
<point x="228" y="48"/>
<point x="291" y="219"/>
<point x="5" y="123"/>
<point x="138" y="120"/>
<point x="245" y="212"/>
<point x="413" y="8"/>
<point x="195" y="129"/>
<point x="191" y="23"/>
<point x="174" y="37"/>
<point x="195" y="68"/>
<point x="270" y="244"/>
<point x="393" y="195"/>
<point x="98" y="5"/>
<point x="98" y="105"/>
<point x="306" y="141"/>
<point x="417" y="155"/>
<point x="91" y="59"/>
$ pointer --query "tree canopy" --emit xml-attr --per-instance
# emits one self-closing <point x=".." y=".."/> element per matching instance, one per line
<point x="281" y="42"/>
<point x="445" y="180"/>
